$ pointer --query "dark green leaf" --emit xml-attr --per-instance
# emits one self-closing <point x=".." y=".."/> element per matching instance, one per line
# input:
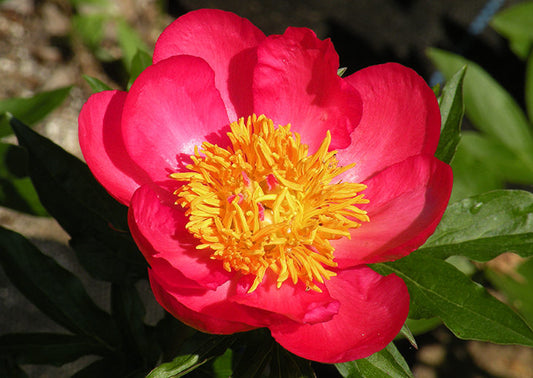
<point x="32" y="109"/>
<point x="452" y="111"/>
<point x="198" y="350"/>
<point x="386" y="363"/>
<point x="53" y="289"/>
<point x="490" y="108"/>
<point x="464" y="306"/>
<point x="128" y="311"/>
<point x="140" y="61"/>
<point x="8" y="368"/>
<point x="96" y="222"/>
<point x="529" y="87"/>
<point x="112" y="366"/>
<point x="484" y="226"/>
<point x="253" y="355"/>
<point x="96" y="84"/>
<point x="47" y="348"/>
<point x="16" y="190"/>
<point x="286" y="365"/>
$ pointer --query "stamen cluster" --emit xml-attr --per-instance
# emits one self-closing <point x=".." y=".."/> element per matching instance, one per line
<point x="265" y="205"/>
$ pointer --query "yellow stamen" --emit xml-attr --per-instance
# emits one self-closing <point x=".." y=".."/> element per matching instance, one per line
<point x="265" y="207"/>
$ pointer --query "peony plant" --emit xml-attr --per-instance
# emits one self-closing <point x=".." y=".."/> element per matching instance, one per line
<point x="260" y="183"/>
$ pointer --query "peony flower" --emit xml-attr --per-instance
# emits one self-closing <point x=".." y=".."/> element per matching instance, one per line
<point x="260" y="183"/>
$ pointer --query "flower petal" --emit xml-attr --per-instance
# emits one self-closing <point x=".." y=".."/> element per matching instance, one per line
<point x="214" y="303"/>
<point x="372" y="311"/>
<point x="101" y="143"/>
<point x="296" y="82"/>
<point x="158" y="227"/>
<point x="292" y="301"/>
<point x="200" y="321"/>
<point x="172" y="107"/>
<point x="407" y="201"/>
<point x="226" y="42"/>
<point x="401" y="118"/>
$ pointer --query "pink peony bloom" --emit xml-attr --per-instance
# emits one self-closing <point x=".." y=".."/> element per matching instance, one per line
<point x="248" y="224"/>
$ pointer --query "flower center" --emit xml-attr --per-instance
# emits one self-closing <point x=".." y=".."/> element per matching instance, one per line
<point x="265" y="205"/>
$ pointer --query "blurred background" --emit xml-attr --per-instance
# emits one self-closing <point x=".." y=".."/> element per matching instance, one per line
<point x="50" y="44"/>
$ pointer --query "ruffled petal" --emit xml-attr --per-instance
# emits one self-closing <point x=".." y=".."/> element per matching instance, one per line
<point x="215" y="303"/>
<point x="296" y="82"/>
<point x="292" y="301"/>
<point x="226" y="42"/>
<point x="401" y="118"/>
<point x="197" y="320"/>
<point x="372" y="311"/>
<point x="407" y="201"/>
<point x="158" y="228"/>
<point x="101" y="143"/>
<point x="172" y="107"/>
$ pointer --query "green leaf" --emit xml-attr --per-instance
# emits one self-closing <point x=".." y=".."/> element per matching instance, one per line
<point x="385" y="363"/>
<point x="516" y="286"/>
<point x="47" y="348"/>
<point x="32" y="109"/>
<point x="197" y="351"/>
<point x="529" y="87"/>
<point x="16" y="190"/>
<point x="496" y="158"/>
<point x="420" y="326"/>
<point x="53" y="289"/>
<point x="452" y="111"/>
<point x="90" y="28"/>
<point x="490" y="108"/>
<point x="130" y="42"/>
<point x="341" y="71"/>
<point x="471" y="176"/>
<point x="222" y="365"/>
<point x="406" y="333"/>
<point x="96" y="84"/>
<point x="484" y="226"/>
<point x="95" y="221"/>
<point x="515" y="21"/>
<point x="464" y="306"/>
<point x="140" y="61"/>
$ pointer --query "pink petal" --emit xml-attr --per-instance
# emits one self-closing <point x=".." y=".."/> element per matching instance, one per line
<point x="101" y="142"/>
<point x="172" y="107"/>
<point x="372" y="311"/>
<point x="292" y="301"/>
<point x="226" y="42"/>
<point x="401" y="118"/>
<point x="296" y="82"/>
<point x="407" y="201"/>
<point x="158" y="227"/>
<point x="202" y="322"/>
<point x="213" y="303"/>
